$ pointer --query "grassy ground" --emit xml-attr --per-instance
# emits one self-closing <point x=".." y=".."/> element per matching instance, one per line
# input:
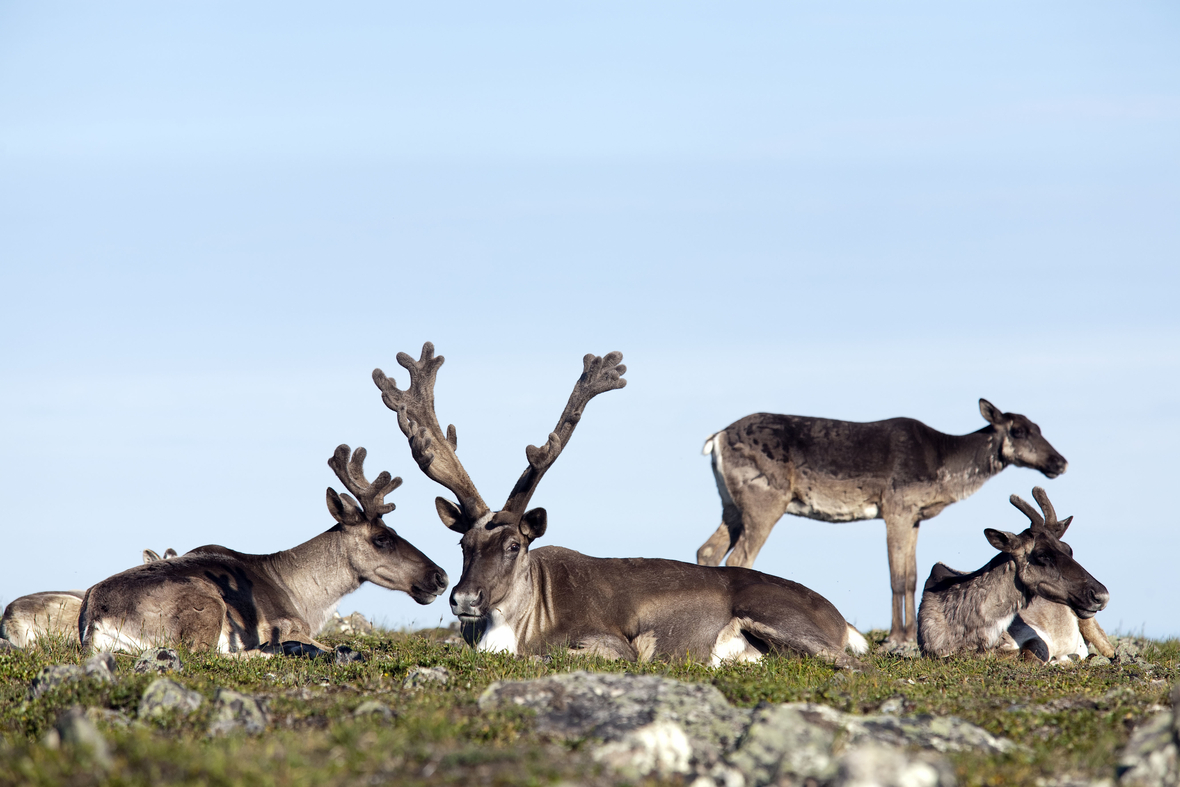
<point x="1073" y="720"/>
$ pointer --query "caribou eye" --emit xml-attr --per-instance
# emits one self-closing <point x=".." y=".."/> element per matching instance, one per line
<point x="514" y="547"/>
<point x="383" y="542"/>
<point x="1019" y="432"/>
<point x="1039" y="558"/>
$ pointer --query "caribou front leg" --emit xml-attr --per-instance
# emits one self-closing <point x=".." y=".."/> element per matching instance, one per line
<point x="901" y="539"/>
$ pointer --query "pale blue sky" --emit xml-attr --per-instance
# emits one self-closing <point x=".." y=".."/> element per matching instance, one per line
<point x="215" y="221"/>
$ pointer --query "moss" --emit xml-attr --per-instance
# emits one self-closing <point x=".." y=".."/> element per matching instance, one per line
<point x="1069" y="720"/>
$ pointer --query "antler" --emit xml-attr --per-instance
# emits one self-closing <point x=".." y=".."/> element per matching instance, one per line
<point x="432" y="450"/>
<point x="1049" y="519"/>
<point x="599" y="374"/>
<point x="351" y="472"/>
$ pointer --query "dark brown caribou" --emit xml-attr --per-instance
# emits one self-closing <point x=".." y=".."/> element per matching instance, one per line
<point x="899" y="470"/>
<point x="970" y="611"/>
<point x="214" y="598"/>
<point x="524" y="601"/>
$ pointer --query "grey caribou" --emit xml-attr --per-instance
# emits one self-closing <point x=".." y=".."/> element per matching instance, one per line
<point x="216" y="598"/>
<point x="970" y="611"/>
<point x="526" y="601"/>
<point x="52" y="612"/>
<point x="899" y="470"/>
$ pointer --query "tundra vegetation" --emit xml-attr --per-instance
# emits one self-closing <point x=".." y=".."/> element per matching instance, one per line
<point x="425" y="724"/>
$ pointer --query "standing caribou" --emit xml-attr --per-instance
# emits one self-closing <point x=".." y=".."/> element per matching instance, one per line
<point x="523" y="601"/>
<point x="52" y="612"/>
<point x="970" y="612"/>
<point x="899" y="470"/>
<point x="219" y="599"/>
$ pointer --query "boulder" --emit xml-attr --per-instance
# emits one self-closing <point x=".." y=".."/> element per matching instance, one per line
<point x="421" y="677"/>
<point x="100" y="668"/>
<point x="1150" y="756"/>
<point x="75" y="728"/>
<point x="346" y="626"/>
<point x="158" y="660"/>
<point x="164" y="695"/>
<point x="655" y="726"/>
<point x="235" y="711"/>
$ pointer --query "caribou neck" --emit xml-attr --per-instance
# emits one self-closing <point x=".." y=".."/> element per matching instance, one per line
<point x="316" y="575"/>
<point x="969" y="460"/>
<point x="984" y="601"/>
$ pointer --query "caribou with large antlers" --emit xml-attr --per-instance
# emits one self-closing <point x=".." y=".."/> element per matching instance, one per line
<point x="219" y="599"/>
<point x="899" y="470"/>
<point x="969" y="612"/>
<point x="511" y="598"/>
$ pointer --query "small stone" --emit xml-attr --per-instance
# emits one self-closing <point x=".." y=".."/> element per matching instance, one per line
<point x="158" y="660"/>
<point x="902" y="650"/>
<point x="6" y="645"/>
<point x="109" y="717"/>
<point x="75" y="729"/>
<point x="881" y="766"/>
<point x="661" y="749"/>
<point x="370" y="708"/>
<point x="164" y="695"/>
<point x="420" y="677"/>
<point x="344" y="626"/>
<point x="52" y="676"/>
<point x="346" y="655"/>
<point x="1098" y="660"/>
<point x="893" y="705"/>
<point x="235" y="711"/>
<point x="100" y="667"/>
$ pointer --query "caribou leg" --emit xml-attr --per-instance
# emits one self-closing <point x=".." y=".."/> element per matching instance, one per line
<point x="722" y="541"/>
<point x="901" y="539"/>
<point x="760" y="507"/>
<point x="794" y="619"/>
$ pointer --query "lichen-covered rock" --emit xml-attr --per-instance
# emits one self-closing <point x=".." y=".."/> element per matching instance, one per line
<point x="884" y="766"/>
<point x="785" y="743"/>
<point x="1150" y="757"/>
<point x="659" y="749"/>
<point x="100" y="667"/>
<point x="344" y="626"/>
<point x="158" y="660"/>
<point x="345" y="655"/>
<point x="74" y="728"/>
<point x="420" y="677"/>
<point x="235" y="711"/>
<point x="371" y="708"/>
<point x="164" y="696"/>
<point x="609" y="706"/>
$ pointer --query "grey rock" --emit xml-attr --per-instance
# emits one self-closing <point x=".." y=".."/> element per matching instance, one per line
<point x="370" y="708"/>
<point x="784" y="743"/>
<point x="100" y="668"/>
<point x="235" y="711"/>
<point x="1098" y="660"/>
<point x="420" y="677"/>
<point x="164" y="696"/>
<point x="112" y="718"/>
<point x="884" y="766"/>
<point x="1150" y="756"/>
<point x="6" y="645"/>
<point x="346" y="655"/>
<point x="609" y="706"/>
<point x="902" y="650"/>
<point x="74" y="728"/>
<point x="158" y="660"/>
<point x="658" y="749"/>
<point x="344" y="626"/>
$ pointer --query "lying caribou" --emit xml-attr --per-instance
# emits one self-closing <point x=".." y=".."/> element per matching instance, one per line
<point x="968" y="612"/>
<point x="53" y="612"/>
<point x="219" y="599"/>
<point x="1052" y="633"/>
<point x="523" y="601"/>
<point x="899" y="470"/>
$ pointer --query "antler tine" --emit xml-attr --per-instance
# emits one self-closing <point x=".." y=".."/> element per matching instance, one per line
<point x="1028" y="510"/>
<point x="599" y="374"/>
<point x="351" y="472"/>
<point x="433" y="450"/>
<point x="1042" y="499"/>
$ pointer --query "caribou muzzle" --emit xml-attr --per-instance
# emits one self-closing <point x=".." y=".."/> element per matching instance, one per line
<point x="430" y="588"/>
<point x="1055" y="466"/>
<point x="468" y="606"/>
<point x="1093" y="600"/>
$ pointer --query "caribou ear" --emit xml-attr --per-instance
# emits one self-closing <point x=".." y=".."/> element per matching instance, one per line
<point x="1003" y="540"/>
<point x="451" y="515"/>
<point x="336" y="506"/>
<point x="533" y="523"/>
<point x="990" y="412"/>
<point x="150" y="556"/>
<point x="169" y="553"/>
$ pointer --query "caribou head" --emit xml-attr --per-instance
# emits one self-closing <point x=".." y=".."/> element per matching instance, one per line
<point x="373" y="549"/>
<point x="1021" y="442"/>
<point x="1044" y="563"/>
<point x="495" y="544"/>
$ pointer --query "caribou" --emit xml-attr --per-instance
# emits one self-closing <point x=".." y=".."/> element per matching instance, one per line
<point x="970" y="611"/>
<point x="527" y="601"/>
<point x="899" y="470"/>
<point x="214" y="598"/>
<point x="52" y="612"/>
<point x="1052" y="633"/>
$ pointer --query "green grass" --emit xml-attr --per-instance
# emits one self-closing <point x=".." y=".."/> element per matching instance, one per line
<point x="1071" y="720"/>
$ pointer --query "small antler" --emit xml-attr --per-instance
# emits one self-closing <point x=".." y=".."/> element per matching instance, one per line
<point x="432" y="450"/>
<point x="1049" y="520"/>
<point x="351" y="472"/>
<point x="599" y="374"/>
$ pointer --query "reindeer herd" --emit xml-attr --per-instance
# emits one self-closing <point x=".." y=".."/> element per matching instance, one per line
<point x="1033" y="598"/>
